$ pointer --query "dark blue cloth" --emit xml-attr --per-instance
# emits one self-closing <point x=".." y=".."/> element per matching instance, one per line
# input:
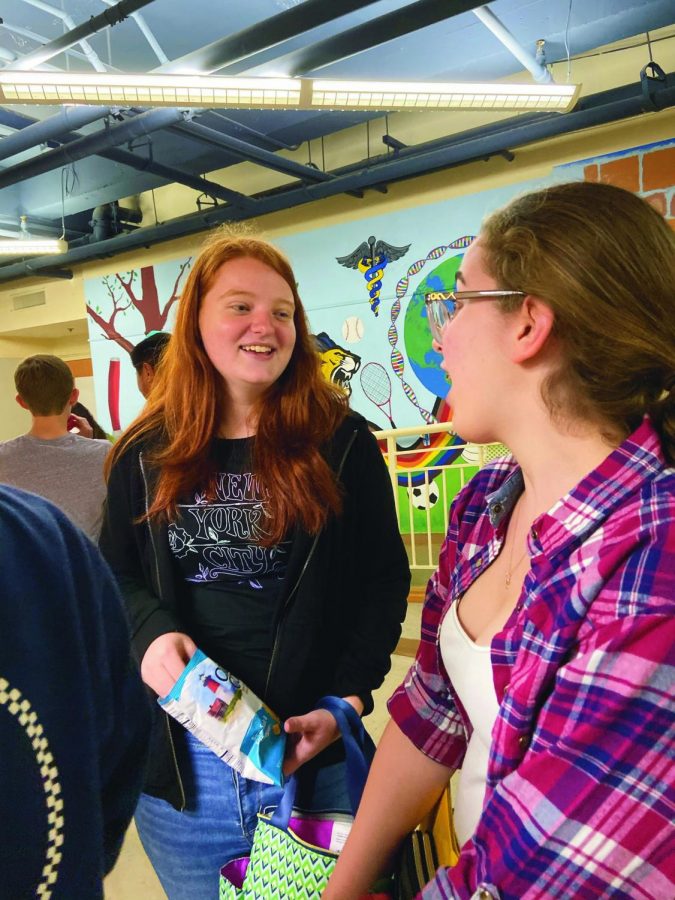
<point x="74" y="717"/>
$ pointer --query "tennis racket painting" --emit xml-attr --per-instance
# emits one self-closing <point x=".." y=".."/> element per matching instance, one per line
<point x="376" y="386"/>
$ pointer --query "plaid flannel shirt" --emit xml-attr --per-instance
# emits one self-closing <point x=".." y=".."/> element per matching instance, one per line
<point x="580" y="798"/>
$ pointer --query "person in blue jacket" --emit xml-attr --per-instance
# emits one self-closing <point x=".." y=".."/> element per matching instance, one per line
<point x="74" y="718"/>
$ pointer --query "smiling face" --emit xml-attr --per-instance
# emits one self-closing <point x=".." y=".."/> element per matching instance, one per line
<point x="473" y="347"/>
<point x="247" y="328"/>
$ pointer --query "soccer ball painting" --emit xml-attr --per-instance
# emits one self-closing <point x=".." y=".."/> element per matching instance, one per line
<point x="424" y="496"/>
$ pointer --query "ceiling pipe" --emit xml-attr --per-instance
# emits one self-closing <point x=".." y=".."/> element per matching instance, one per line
<point x="38" y="225"/>
<point x="599" y="109"/>
<point x="69" y="22"/>
<point x="108" y="219"/>
<point x="263" y="35"/>
<point x="142" y="164"/>
<point x="70" y="117"/>
<point x="107" y="18"/>
<point x="371" y="34"/>
<point x="146" y="123"/>
<point x="539" y="72"/>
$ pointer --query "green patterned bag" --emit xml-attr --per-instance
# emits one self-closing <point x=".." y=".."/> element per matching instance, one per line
<point x="293" y="856"/>
<point x="281" y="865"/>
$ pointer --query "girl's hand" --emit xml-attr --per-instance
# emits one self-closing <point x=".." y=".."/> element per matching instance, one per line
<point x="165" y="659"/>
<point x="307" y="736"/>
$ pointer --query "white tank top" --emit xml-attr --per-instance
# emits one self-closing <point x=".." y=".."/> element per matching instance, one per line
<point x="469" y="667"/>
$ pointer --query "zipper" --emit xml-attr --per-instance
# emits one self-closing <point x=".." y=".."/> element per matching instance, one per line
<point x="159" y="591"/>
<point x="293" y="591"/>
<point x="183" y="802"/>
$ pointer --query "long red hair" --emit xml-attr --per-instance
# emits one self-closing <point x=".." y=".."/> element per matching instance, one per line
<point x="297" y="415"/>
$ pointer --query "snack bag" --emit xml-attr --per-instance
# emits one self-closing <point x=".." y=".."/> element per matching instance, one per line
<point x="226" y="716"/>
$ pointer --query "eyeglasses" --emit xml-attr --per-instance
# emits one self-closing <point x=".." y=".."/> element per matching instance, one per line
<point x="443" y="306"/>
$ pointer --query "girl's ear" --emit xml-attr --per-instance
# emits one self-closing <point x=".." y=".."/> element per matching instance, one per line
<point x="533" y="324"/>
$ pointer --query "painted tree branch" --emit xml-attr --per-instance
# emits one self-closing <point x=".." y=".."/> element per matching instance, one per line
<point x="174" y="294"/>
<point x="109" y="330"/>
<point x="127" y="287"/>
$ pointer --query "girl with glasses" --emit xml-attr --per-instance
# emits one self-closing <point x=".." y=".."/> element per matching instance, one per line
<point x="545" y="668"/>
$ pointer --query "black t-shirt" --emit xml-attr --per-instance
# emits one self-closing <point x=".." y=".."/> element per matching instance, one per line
<point x="234" y="583"/>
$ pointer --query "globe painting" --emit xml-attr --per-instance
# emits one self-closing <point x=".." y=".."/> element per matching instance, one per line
<point x="425" y="362"/>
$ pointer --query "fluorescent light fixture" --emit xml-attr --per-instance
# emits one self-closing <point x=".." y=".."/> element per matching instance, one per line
<point x="418" y="95"/>
<point x="212" y="91"/>
<point x="32" y="246"/>
<point x="107" y="89"/>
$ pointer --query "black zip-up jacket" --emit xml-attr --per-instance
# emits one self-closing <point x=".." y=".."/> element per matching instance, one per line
<point x="343" y="600"/>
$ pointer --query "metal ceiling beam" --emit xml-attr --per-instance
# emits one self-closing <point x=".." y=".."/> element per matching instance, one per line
<point x="146" y="123"/>
<point x="263" y="35"/>
<point x="599" y="109"/>
<point x="372" y="34"/>
<point x="107" y="18"/>
<point x="245" y="151"/>
<point x="258" y="135"/>
<point x="203" y="185"/>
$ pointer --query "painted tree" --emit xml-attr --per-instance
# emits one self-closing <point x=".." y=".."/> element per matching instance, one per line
<point x="135" y="290"/>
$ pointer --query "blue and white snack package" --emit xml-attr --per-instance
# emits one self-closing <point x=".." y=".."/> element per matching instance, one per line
<point x="229" y="719"/>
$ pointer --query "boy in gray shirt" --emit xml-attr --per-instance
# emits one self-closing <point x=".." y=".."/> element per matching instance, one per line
<point x="65" y="468"/>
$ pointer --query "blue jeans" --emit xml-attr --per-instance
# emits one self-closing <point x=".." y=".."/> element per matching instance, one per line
<point x="188" y="848"/>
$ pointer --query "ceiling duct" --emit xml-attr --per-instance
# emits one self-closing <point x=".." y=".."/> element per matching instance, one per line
<point x="139" y="126"/>
<point x="125" y="158"/>
<point x="72" y="117"/>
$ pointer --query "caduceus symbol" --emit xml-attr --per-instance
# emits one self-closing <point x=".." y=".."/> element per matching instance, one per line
<point x="371" y="258"/>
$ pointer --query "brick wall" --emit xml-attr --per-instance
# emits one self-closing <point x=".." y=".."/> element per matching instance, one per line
<point x="648" y="172"/>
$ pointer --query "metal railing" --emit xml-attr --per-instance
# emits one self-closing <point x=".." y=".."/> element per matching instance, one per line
<point x="423" y="491"/>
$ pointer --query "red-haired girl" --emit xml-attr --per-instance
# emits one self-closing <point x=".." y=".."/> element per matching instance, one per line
<point x="249" y="514"/>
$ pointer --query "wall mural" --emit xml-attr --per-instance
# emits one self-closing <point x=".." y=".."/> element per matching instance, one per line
<point x="122" y="308"/>
<point x="371" y="257"/>
<point x="380" y="354"/>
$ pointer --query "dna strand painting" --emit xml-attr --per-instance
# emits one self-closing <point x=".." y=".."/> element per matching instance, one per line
<point x="371" y="258"/>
